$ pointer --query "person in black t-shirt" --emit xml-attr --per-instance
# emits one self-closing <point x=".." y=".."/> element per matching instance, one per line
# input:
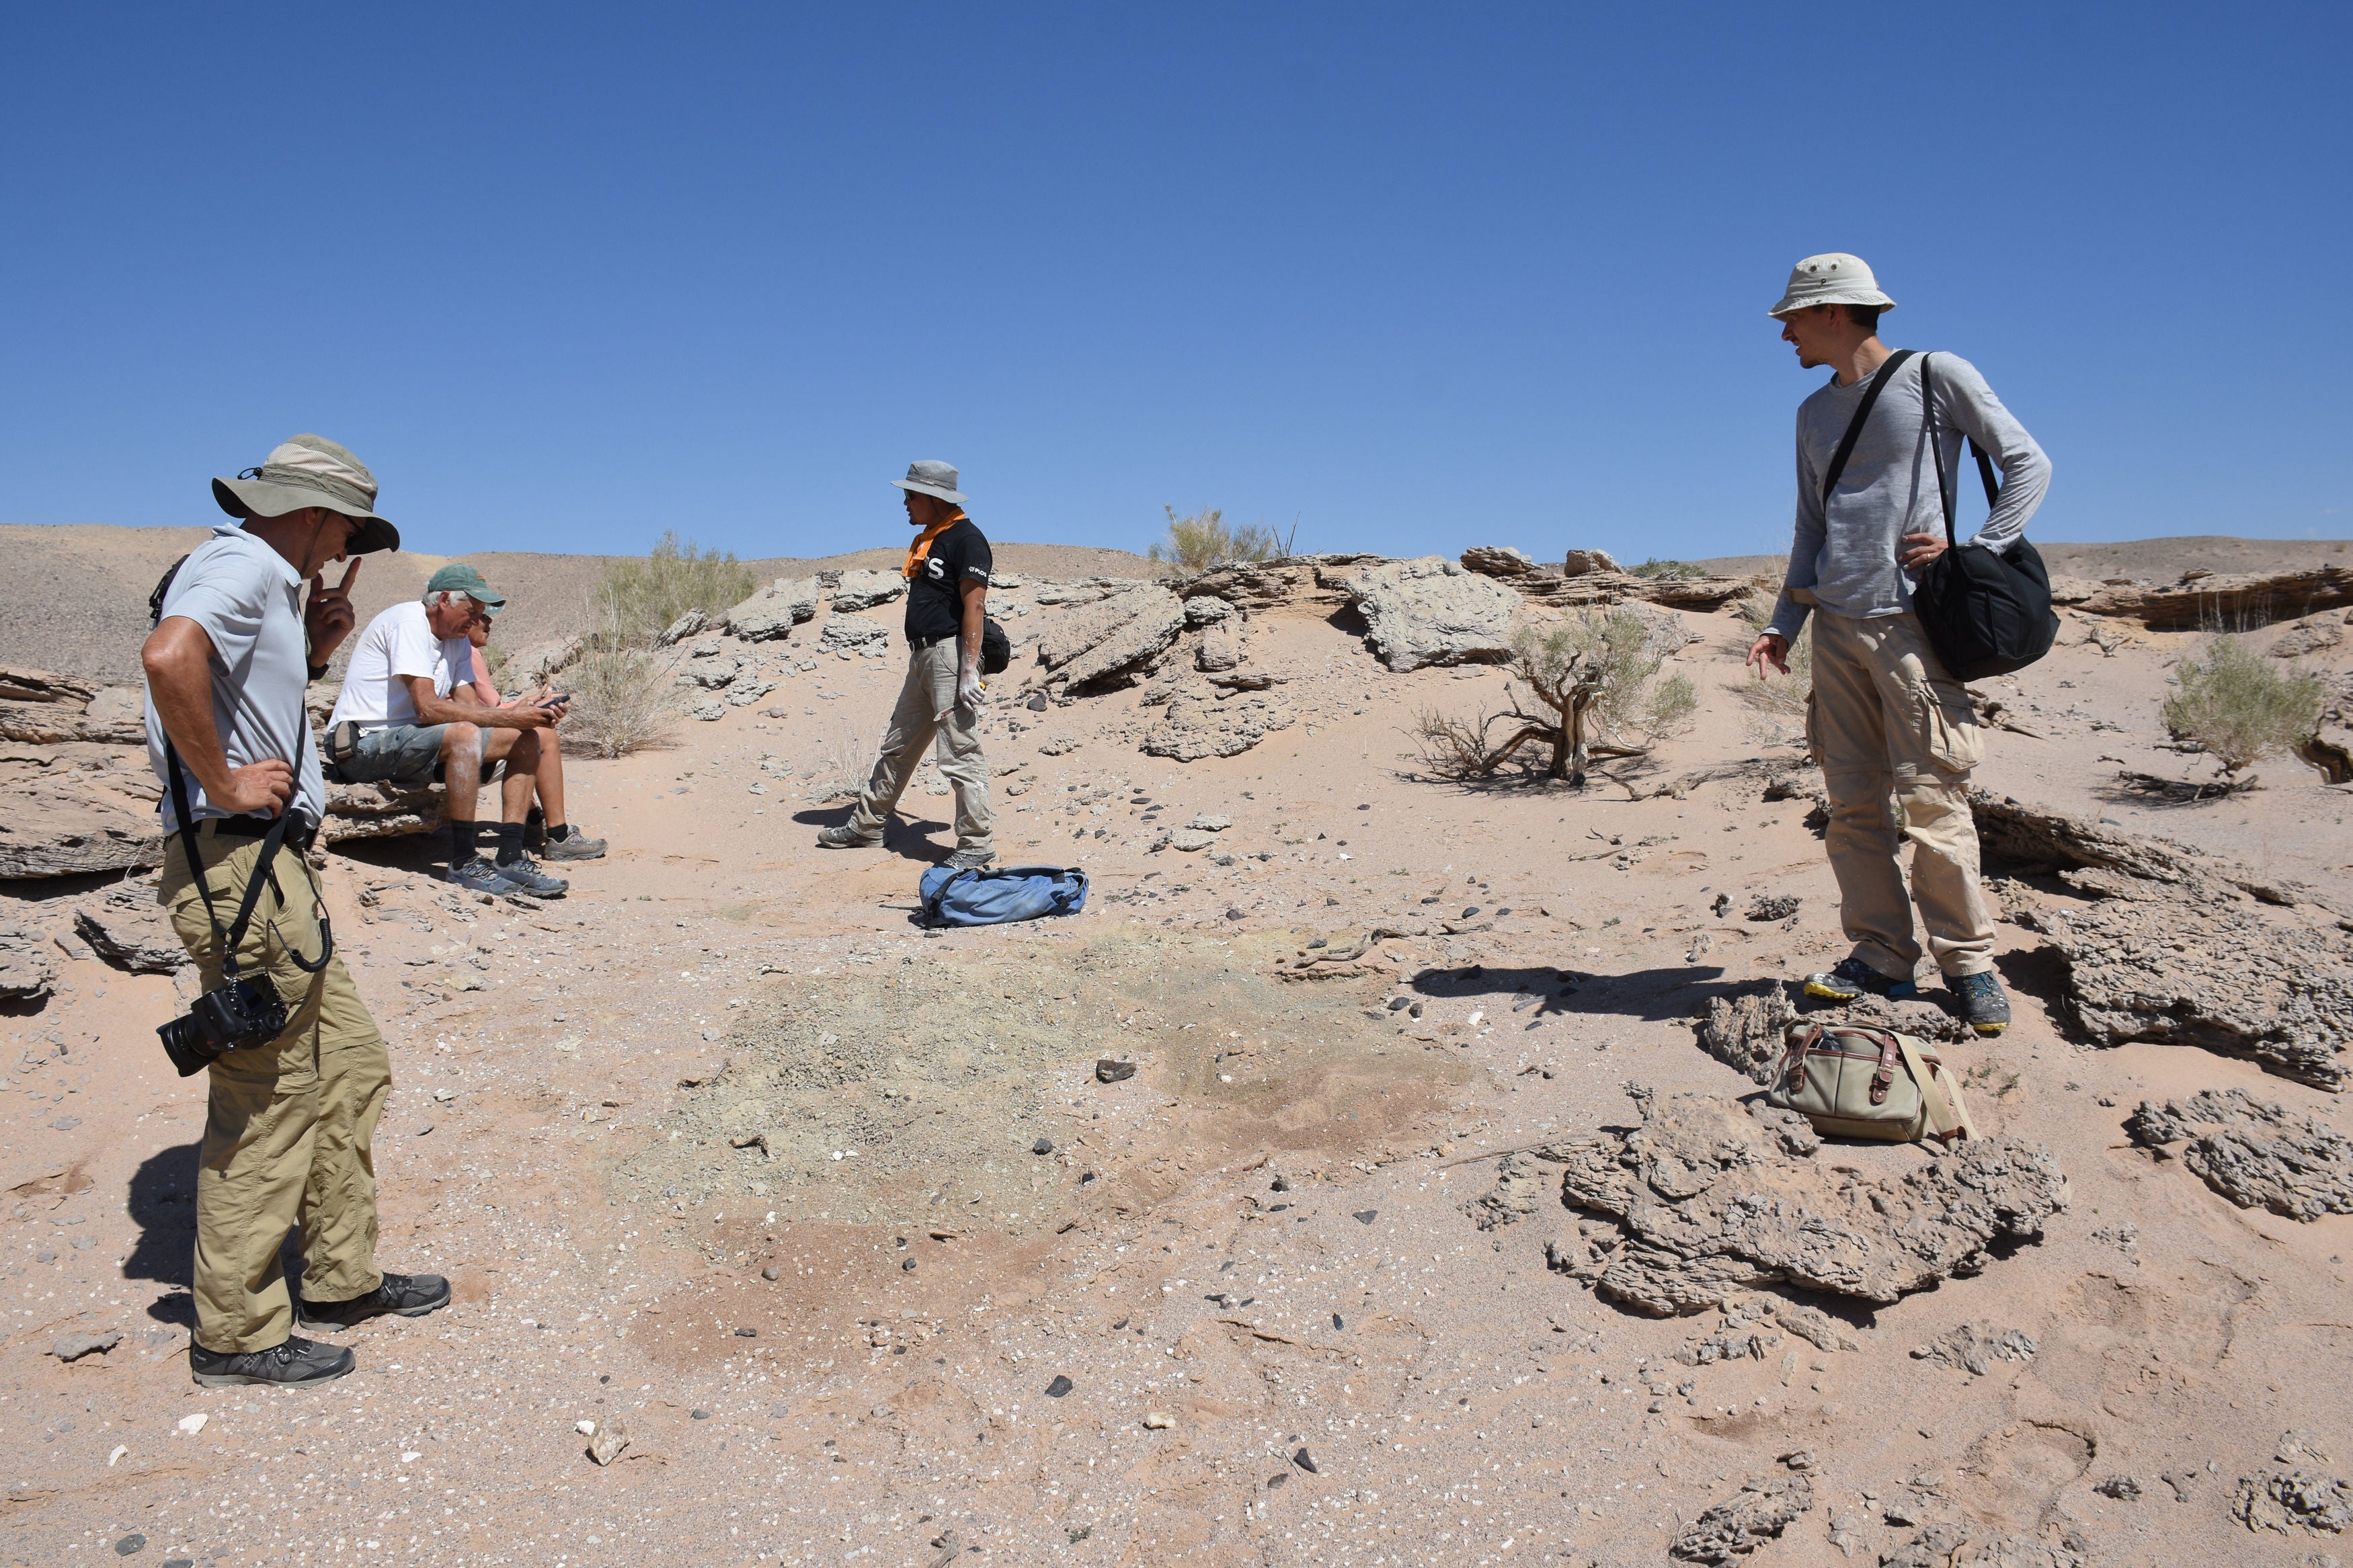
<point x="948" y="591"/>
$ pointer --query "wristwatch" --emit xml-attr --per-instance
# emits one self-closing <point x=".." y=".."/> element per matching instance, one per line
<point x="318" y="672"/>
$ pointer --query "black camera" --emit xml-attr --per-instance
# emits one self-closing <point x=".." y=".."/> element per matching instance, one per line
<point x="242" y="1013"/>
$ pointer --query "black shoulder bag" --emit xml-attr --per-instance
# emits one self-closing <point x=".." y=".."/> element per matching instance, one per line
<point x="244" y="1011"/>
<point x="1986" y="612"/>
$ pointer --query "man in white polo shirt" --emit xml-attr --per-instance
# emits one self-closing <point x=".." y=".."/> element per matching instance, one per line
<point x="409" y="712"/>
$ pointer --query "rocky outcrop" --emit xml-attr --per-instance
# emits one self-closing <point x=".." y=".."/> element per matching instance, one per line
<point x="685" y="627"/>
<point x="2231" y="599"/>
<point x="1218" y="652"/>
<point x="849" y="632"/>
<point x="1207" y="610"/>
<point x="864" y="590"/>
<point x="1955" y="1543"/>
<point x="1307" y="580"/>
<point x="774" y="610"/>
<point x="38" y="707"/>
<point x="77" y="808"/>
<point x="128" y="931"/>
<point x="1112" y="642"/>
<point x="1708" y="1199"/>
<point x="2295" y="1497"/>
<point x="1733" y="1529"/>
<point x="2314" y="634"/>
<point x="1590" y="588"/>
<point x="1431" y="611"/>
<point x="541" y="663"/>
<point x="2251" y="1152"/>
<point x="1501" y="560"/>
<point x="27" y="973"/>
<point x="1585" y="562"/>
<point x="2193" y="972"/>
<point x="380" y="811"/>
<point x="1193" y="724"/>
<point x="710" y="674"/>
<point x="1747" y="1028"/>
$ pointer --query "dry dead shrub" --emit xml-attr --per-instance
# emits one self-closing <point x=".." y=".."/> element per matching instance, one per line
<point x="1780" y="697"/>
<point x="843" y="762"/>
<point x="623" y="699"/>
<point x="634" y="600"/>
<point x="1598" y="674"/>
<point x="2237" y="706"/>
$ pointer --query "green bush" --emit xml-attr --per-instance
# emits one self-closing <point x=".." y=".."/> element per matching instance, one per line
<point x="2237" y="706"/>
<point x="1677" y="570"/>
<point x="636" y="599"/>
<point x="1203" y="541"/>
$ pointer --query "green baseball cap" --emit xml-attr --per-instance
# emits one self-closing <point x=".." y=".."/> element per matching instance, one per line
<point x="460" y="578"/>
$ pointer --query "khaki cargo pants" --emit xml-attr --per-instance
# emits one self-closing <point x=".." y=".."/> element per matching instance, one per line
<point x="1886" y="721"/>
<point x="930" y="689"/>
<point x="291" y="1132"/>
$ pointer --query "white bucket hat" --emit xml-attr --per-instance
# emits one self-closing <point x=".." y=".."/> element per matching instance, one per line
<point x="930" y="477"/>
<point x="1833" y="278"/>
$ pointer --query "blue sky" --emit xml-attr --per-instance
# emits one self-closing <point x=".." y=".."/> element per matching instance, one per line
<point x="1416" y="278"/>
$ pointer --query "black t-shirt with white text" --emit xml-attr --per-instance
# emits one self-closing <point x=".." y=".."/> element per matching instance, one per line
<point x="935" y="595"/>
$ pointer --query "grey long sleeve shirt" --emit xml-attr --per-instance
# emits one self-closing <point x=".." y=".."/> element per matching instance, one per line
<point x="1845" y="560"/>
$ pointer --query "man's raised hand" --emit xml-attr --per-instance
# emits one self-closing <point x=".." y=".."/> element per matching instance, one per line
<point x="328" y="616"/>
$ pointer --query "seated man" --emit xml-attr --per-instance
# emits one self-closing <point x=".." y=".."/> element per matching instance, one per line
<point x="409" y="693"/>
<point x="559" y="841"/>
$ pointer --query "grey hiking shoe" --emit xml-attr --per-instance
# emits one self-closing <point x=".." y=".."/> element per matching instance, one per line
<point x="397" y="1295"/>
<point x="296" y="1363"/>
<point x="529" y="879"/>
<point x="1852" y="977"/>
<point x="969" y="859"/>
<point x="843" y="838"/>
<point x="478" y="875"/>
<point x="573" y="845"/>
<point x="1983" y="1006"/>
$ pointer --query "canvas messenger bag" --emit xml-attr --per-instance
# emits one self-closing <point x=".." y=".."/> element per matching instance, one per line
<point x="1858" y="1082"/>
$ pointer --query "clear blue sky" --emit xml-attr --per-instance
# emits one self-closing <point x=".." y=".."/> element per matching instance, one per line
<point x="1417" y="277"/>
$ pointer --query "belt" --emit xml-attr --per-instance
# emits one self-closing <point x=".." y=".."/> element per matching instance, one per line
<point x="298" y="833"/>
<point x="920" y="644"/>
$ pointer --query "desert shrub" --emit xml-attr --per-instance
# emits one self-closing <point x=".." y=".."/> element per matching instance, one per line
<point x="623" y="699"/>
<point x="636" y="598"/>
<point x="1654" y="567"/>
<point x="2239" y="706"/>
<point x="495" y="665"/>
<point x="1782" y="699"/>
<point x="1597" y="674"/>
<point x="1203" y="541"/>
<point x="844" y="760"/>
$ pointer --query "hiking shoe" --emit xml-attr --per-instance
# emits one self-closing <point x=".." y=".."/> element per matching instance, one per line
<point x="478" y="875"/>
<point x="1983" y="1006"/>
<point x="843" y="838"/>
<point x="528" y="878"/>
<point x="398" y="1294"/>
<point x="969" y="859"/>
<point x="573" y="845"/>
<point x="296" y="1363"/>
<point x="1852" y="977"/>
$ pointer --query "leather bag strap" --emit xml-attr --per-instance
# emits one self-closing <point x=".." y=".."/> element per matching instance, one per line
<point x="1948" y="1114"/>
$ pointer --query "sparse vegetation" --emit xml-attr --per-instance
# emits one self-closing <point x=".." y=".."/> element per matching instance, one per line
<point x="2237" y="706"/>
<point x="624" y="699"/>
<point x="841" y="766"/>
<point x="1782" y="698"/>
<point x="1597" y="673"/>
<point x="1203" y="541"/>
<point x="637" y="599"/>
<point x="1654" y="567"/>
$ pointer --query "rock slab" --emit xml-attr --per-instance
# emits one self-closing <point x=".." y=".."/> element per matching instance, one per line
<point x="774" y="610"/>
<point x="864" y="590"/>
<point x="1113" y="641"/>
<point x="2252" y="1151"/>
<point x="1431" y="611"/>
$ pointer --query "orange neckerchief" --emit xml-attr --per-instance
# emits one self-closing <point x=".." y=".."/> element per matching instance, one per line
<point x="923" y="545"/>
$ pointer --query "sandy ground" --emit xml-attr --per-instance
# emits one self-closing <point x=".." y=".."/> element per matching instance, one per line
<point x="1284" y="1339"/>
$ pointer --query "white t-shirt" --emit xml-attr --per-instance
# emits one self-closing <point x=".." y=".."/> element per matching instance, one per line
<point x="398" y="644"/>
<point x="250" y="603"/>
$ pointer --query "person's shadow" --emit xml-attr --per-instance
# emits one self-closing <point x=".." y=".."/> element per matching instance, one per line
<point x="1546" y="992"/>
<point x="162" y="1203"/>
<point x="908" y="838"/>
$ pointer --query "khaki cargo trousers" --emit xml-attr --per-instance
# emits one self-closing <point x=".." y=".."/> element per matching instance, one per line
<point x="930" y="690"/>
<point x="1887" y="722"/>
<point x="290" y="1136"/>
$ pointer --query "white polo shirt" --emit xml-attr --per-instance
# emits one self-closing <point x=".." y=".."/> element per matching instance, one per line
<point x="398" y="644"/>
<point x="249" y="600"/>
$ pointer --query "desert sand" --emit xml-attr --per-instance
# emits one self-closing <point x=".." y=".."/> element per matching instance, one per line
<point x="836" y="1221"/>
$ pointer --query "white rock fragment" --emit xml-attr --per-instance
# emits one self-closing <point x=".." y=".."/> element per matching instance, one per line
<point x="192" y="1424"/>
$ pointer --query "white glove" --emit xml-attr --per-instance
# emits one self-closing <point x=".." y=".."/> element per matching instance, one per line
<point x="968" y="689"/>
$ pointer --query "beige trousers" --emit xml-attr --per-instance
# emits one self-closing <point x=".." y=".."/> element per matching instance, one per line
<point x="930" y="690"/>
<point x="1886" y="721"/>
<point x="290" y="1131"/>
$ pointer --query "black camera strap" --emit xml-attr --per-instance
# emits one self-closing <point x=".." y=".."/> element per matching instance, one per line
<point x="231" y="937"/>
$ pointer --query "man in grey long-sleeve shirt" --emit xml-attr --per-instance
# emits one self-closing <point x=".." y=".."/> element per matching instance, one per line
<point x="1884" y="717"/>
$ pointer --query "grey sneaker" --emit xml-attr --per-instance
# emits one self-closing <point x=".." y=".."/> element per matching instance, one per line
<point x="843" y="838"/>
<point x="478" y="875"/>
<point x="1852" y="977"/>
<point x="1983" y="1006"/>
<point x="296" y="1363"/>
<point x="573" y="845"/>
<point x="529" y="879"/>
<point x="397" y="1295"/>
<point x="969" y="859"/>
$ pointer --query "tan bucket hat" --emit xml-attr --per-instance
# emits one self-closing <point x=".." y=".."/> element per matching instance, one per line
<point x="311" y="470"/>
<point x="1833" y="278"/>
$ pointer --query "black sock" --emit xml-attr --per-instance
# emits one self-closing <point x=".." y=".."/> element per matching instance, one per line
<point x="465" y="841"/>
<point x="558" y="832"/>
<point x="509" y="843"/>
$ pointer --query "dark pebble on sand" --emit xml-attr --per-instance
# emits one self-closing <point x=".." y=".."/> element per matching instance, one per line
<point x="1043" y="1146"/>
<point x="1367" y="1217"/>
<point x="747" y="1333"/>
<point x="129" y="1544"/>
<point x="1059" y="1387"/>
<point x="1301" y="1459"/>
<point x="700" y="1414"/>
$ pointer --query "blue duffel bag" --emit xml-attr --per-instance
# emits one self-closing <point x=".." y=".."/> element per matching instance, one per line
<point x="991" y="895"/>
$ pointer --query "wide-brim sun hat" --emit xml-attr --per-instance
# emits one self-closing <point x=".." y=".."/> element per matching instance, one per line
<point x="1833" y="278"/>
<point x="930" y="477"/>
<point x="306" y="472"/>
